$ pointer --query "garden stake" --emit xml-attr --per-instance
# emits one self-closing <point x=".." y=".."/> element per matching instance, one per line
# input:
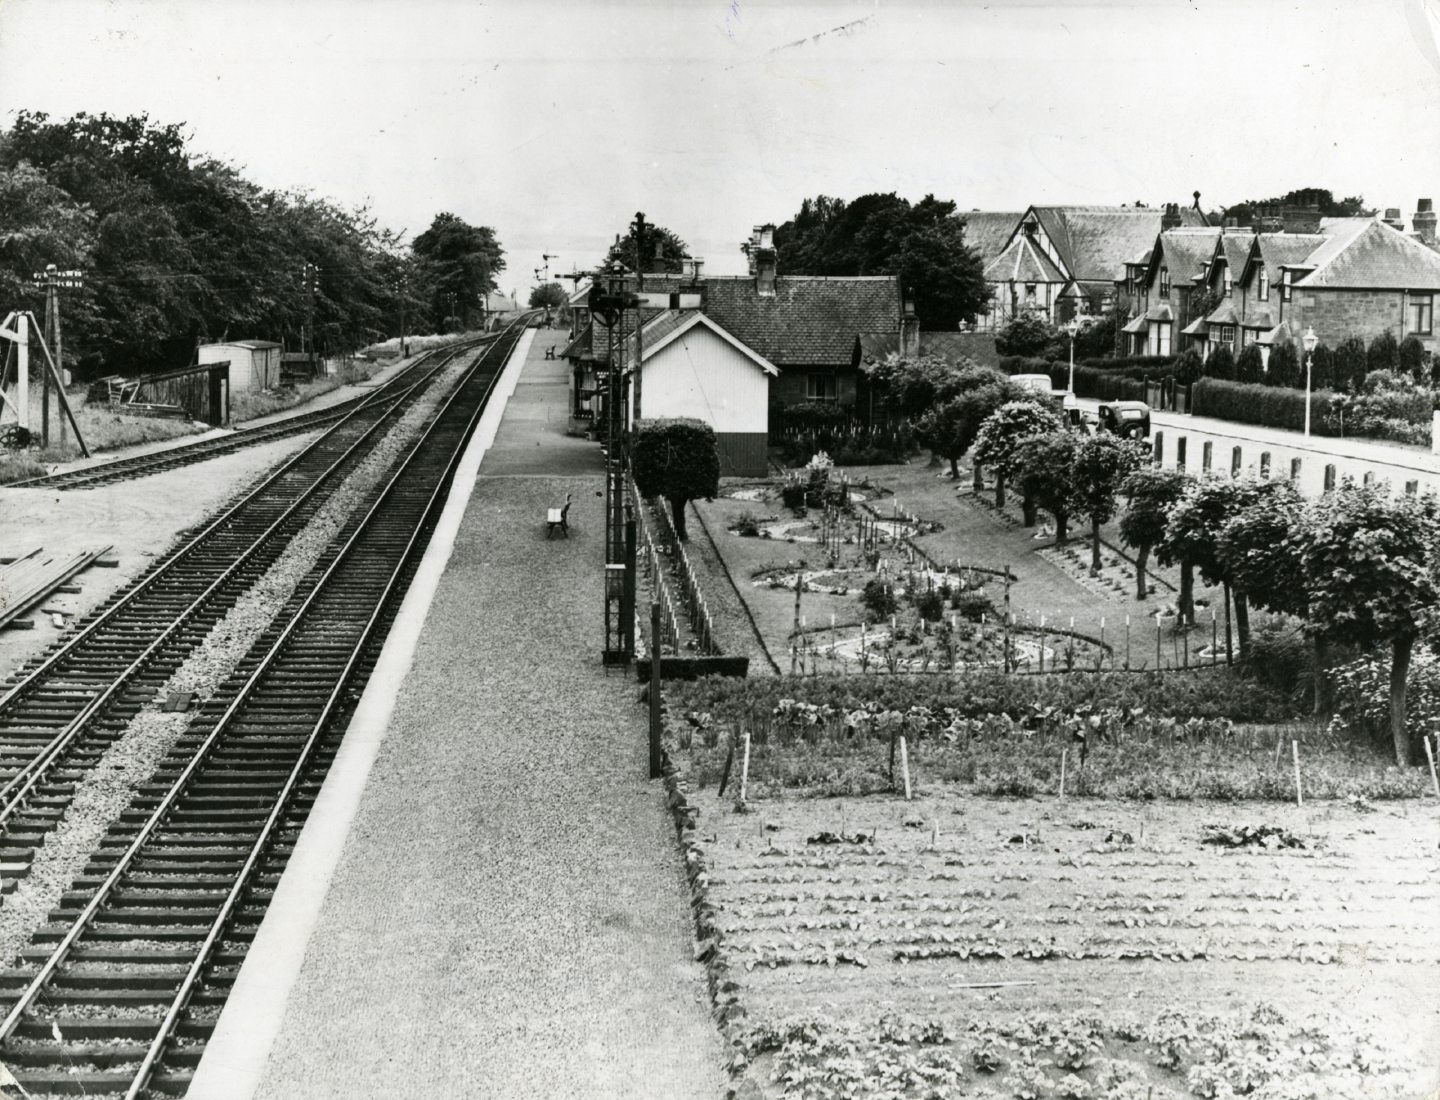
<point x="1279" y="743"/>
<point x="1157" y="641"/>
<point x="1295" y="755"/>
<point x="745" y="768"/>
<point x="1064" y="753"/>
<point x="905" y="766"/>
<point x="1127" y="643"/>
<point x="1434" y="778"/>
<point x="1187" y="649"/>
<point x="725" y="771"/>
<point x="655" y="690"/>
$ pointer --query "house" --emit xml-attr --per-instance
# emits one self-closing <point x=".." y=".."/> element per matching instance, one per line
<point x="1343" y="277"/>
<point x="254" y="364"/>
<point x="1171" y="289"/>
<point x="1063" y="261"/>
<point x="690" y="366"/>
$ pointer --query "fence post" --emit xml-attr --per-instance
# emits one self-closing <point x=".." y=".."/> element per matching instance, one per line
<point x="655" y="690"/>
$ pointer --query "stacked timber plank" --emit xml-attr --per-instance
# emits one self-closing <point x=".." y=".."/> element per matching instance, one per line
<point x="28" y="578"/>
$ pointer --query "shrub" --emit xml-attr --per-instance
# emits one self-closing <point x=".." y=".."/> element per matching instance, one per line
<point x="1025" y="334"/>
<point x="1253" y="404"/>
<point x="1150" y="363"/>
<point x="1221" y="364"/>
<point x="746" y="525"/>
<point x="1189" y="368"/>
<point x="792" y="494"/>
<point x="1351" y="364"/>
<point x="1284" y="367"/>
<point x="1322" y="369"/>
<point x="972" y="605"/>
<point x="878" y="598"/>
<point x="1414" y="360"/>
<point x="930" y="605"/>
<point x="1362" y="695"/>
<point x="1250" y="366"/>
<point x="1383" y="353"/>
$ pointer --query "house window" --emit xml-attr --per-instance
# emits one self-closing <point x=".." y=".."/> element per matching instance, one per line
<point x="821" y="387"/>
<point x="1229" y="284"/>
<point x="1422" y="314"/>
<point x="1227" y="334"/>
<point x="1285" y="285"/>
<point x="1264" y="285"/>
<point x="1029" y="294"/>
<point x="1164" y="282"/>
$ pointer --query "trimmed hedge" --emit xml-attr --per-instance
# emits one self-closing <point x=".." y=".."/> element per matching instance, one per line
<point x="1252" y="403"/>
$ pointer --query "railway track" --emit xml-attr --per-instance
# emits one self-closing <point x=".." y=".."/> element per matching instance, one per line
<point x="127" y="469"/>
<point x="117" y="994"/>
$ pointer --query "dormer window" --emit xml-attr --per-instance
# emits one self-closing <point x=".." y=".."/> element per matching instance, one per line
<point x="1264" y="285"/>
<point x="1229" y="284"/>
<point x="1164" y="282"/>
<point x="1285" y="285"/>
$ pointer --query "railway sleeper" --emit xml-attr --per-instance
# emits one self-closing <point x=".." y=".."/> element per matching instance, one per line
<point x="121" y="1028"/>
<point x="106" y="1054"/>
<point x="65" y="1082"/>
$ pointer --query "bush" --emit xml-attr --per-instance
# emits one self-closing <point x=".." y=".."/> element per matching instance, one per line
<point x="972" y="605"/>
<point x="1399" y="415"/>
<point x="1284" y="367"/>
<point x="1351" y="364"/>
<point x="1189" y="368"/>
<point x="1322" y="369"/>
<point x="1025" y="334"/>
<point x="1254" y="404"/>
<point x="930" y="605"/>
<point x="1221" y="364"/>
<point x="1362" y="695"/>
<point x="1383" y="353"/>
<point x="746" y="525"/>
<point x="792" y="494"/>
<point x="1134" y="363"/>
<point x="1414" y="361"/>
<point x="878" y="599"/>
<point x="1280" y="656"/>
<point x="1250" y="366"/>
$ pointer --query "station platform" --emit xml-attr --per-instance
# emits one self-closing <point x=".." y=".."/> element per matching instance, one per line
<point x="487" y="900"/>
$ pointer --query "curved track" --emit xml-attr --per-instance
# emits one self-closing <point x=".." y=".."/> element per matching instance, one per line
<point x="117" y="995"/>
<point x="153" y="462"/>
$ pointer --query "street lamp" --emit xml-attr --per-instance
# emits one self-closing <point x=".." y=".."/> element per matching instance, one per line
<point x="1072" y="327"/>
<point x="1310" y="340"/>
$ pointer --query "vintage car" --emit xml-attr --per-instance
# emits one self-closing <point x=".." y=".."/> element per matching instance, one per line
<point x="1130" y="419"/>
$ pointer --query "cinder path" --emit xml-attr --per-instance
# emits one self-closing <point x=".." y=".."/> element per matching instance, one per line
<point x="508" y="917"/>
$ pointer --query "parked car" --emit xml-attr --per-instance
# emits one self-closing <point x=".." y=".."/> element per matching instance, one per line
<point x="1130" y="419"/>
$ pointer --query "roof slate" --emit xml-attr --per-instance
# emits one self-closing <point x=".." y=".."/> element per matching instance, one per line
<point x="1096" y="241"/>
<point x="987" y="231"/>
<point x="810" y="320"/>
<point x="947" y="345"/>
<point x="1023" y="262"/>
<point x="1376" y="258"/>
<point x="1185" y="251"/>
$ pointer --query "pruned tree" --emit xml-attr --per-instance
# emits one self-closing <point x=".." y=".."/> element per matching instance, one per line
<point x="1369" y="560"/>
<point x="1046" y="466"/>
<point x="1150" y="493"/>
<point x="1101" y="464"/>
<point x="998" y="442"/>
<point x="950" y="428"/>
<point x="678" y="460"/>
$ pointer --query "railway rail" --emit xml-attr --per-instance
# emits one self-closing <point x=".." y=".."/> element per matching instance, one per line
<point x="186" y="454"/>
<point x="117" y="995"/>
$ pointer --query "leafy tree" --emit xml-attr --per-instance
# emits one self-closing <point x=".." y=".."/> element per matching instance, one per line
<point x="659" y="253"/>
<point x="1383" y="353"/>
<point x="1102" y="462"/>
<point x="678" y="460"/>
<point x="911" y="387"/>
<point x="1046" y="465"/>
<point x="460" y="261"/>
<point x="883" y="234"/>
<point x="40" y="224"/>
<point x="997" y="444"/>
<point x="1250" y="365"/>
<point x="1150" y="493"/>
<point x="1221" y="364"/>
<point x="548" y="296"/>
<point x="1189" y="368"/>
<point x="1352" y="206"/>
<point x="950" y="428"/>
<point x="1413" y="359"/>
<point x="1193" y="534"/>
<point x="1284" y="367"/>
<point x="1027" y="333"/>
<point x="1096" y="340"/>
<point x="1351" y="364"/>
<point x="1370" y="567"/>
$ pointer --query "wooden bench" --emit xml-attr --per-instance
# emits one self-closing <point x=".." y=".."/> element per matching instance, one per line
<point x="557" y="519"/>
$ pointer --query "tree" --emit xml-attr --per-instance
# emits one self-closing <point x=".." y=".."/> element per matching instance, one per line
<point x="1150" y="493"/>
<point x="950" y="428"/>
<point x="1414" y="359"/>
<point x="548" y="296"/>
<point x="659" y="253"/>
<point x="1383" y="353"/>
<point x="1322" y="368"/>
<point x="1097" y="339"/>
<point x="883" y="234"/>
<point x="911" y="387"/>
<point x="1250" y="365"/>
<point x="1101" y="464"/>
<point x="460" y="262"/>
<point x="1046" y="466"/>
<point x="1284" y="367"/>
<point x="678" y="460"/>
<point x="1189" y="368"/>
<point x="997" y="443"/>
<point x="1027" y="333"/>
<point x="1370" y="569"/>
<point x="1351" y="364"/>
<point x="1352" y="206"/>
<point x="1221" y="364"/>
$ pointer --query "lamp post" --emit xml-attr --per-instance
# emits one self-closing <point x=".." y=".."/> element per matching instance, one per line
<point x="1310" y="340"/>
<point x="1072" y="327"/>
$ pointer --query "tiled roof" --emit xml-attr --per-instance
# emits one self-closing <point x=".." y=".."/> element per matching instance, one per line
<point x="678" y="322"/>
<point x="948" y="345"/>
<point x="1160" y="312"/>
<point x="1196" y="327"/>
<point x="1023" y="262"/>
<point x="810" y="320"/>
<point x="987" y="231"/>
<point x="1280" y="334"/>
<point x="578" y="346"/>
<point x="1223" y="314"/>
<point x="1137" y="324"/>
<point x="1258" y="319"/>
<point x="1095" y="242"/>
<point x="1375" y="258"/>
<point x="1185" y="251"/>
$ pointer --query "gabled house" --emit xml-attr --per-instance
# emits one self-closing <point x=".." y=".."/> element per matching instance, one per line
<point x="1172" y="285"/>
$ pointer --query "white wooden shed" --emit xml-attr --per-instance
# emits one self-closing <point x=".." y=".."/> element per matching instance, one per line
<point x="254" y="364"/>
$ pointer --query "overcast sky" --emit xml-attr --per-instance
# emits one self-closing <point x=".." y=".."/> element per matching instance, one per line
<point x="554" y="122"/>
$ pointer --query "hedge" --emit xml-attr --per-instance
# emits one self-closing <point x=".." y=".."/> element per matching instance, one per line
<point x="1252" y="403"/>
<point x="1138" y="368"/>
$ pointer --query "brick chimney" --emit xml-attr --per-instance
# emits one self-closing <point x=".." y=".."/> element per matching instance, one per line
<point x="1424" y="221"/>
<point x="909" y="328"/>
<point x="762" y="260"/>
<point x="1171" y="218"/>
<point x="1267" y="220"/>
<point x="1301" y="219"/>
<point x="1393" y="218"/>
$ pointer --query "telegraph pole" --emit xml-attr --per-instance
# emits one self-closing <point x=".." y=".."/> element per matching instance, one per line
<point x="310" y="274"/>
<point x="52" y="280"/>
<point x="639" y="317"/>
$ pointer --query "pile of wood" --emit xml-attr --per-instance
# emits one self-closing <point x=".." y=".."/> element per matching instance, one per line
<point x="28" y="579"/>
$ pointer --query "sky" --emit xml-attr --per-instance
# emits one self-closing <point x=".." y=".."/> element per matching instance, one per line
<point x="554" y="121"/>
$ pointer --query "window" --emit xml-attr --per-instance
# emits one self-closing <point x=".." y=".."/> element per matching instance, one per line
<point x="1422" y="314"/>
<point x="1180" y="453"/>
<point x="1285" y="285"/>
<point x="821" y="387"/>
<point x="1329" y="476"/>
<point x="1229" y="284"/>
<point x="1294" y="469"/>
<point x="1236" y="461"/>
<point x="1207" y="454"/>
<point x="1164" y="282"/>
<point x="1264" y="463"/>
<point x="1227" y="334"/>
<point x="1264" y="285"/>
<point x="1029" y="294"/>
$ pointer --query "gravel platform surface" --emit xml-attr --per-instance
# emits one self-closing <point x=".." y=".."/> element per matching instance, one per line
<point x="509" y="917"/>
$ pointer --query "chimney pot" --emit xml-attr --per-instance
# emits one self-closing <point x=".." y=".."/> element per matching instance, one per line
<point x="1424" y="220"/>
<point x="1425" y="206"/>
<point x="1393" y="219"/>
